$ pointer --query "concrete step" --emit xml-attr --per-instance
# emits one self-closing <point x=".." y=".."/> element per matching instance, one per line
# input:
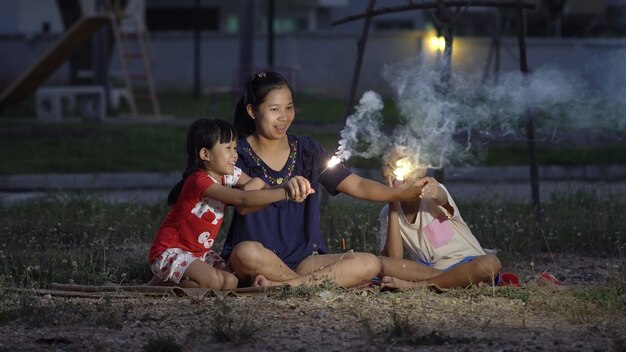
<point x="165" y="180"/>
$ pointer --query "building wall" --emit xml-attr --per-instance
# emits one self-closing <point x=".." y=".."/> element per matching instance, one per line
<point x="324" y="62"/>
<point x="9" y="22"/>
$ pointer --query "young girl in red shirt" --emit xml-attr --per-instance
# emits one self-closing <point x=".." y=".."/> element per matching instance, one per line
<point x="181" y="254"/>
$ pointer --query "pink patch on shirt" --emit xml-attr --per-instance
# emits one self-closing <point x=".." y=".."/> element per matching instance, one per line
<point x="183" y="264"/>
<point x="177" y="274"/>
<point x="439" y="232"/>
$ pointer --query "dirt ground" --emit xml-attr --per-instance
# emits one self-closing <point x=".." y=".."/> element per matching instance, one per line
<point x="531" y="318"/>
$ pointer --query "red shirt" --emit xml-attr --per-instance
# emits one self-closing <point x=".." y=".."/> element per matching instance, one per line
<point x="193" y="222"/>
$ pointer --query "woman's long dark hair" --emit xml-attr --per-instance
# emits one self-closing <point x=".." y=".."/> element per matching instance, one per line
<point x="257" y="88"/>
<point x="203" y="133"/>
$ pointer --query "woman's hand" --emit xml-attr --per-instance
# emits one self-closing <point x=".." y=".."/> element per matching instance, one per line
<point x="298" y="188"/>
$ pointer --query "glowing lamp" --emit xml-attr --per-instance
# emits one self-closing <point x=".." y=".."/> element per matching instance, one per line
<point x="438" y="43"/>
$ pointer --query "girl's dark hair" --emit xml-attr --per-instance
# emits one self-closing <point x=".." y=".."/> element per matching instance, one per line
<point x="203" y="133"/>
<point x="257" y="88"/>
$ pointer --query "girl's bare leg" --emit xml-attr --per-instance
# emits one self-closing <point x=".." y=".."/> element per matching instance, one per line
<point x="406" y="270"/>
<point x="201" y="275"/>
<point x="250" y="259"/>
<point x="483" y="268"/>
<point x="205" y="276"/>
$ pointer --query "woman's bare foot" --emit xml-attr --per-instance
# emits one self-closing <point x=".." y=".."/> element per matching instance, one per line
<point x="262" y="281"/>
<point x="394" y="282"/>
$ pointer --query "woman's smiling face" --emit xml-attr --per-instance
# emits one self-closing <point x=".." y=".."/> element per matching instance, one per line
<point x="274" y="116"/>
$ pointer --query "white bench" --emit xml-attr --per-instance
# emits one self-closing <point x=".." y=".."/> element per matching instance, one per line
<point x="54" y="102"/>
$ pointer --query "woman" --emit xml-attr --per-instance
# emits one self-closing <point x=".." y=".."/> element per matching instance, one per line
<point x="282" y="243"/>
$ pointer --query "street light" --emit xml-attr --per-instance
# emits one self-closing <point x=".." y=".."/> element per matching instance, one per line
<point x="437" y="43"/>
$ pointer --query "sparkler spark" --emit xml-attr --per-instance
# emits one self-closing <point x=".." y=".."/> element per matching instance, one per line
<point x="403" y="167"/>
<point x="331" y="163"/>
<point x="406" y="166"/>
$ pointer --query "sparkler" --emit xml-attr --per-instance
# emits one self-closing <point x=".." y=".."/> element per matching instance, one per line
<point x="403" y="167"/>
<point x="331" y="163"/>
<point x="406" y="166"/>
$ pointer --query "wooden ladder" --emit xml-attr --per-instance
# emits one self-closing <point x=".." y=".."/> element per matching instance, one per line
<point x="132" y="44"/>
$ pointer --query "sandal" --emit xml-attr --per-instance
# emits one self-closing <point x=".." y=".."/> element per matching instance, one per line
<point x="509" y="279"/>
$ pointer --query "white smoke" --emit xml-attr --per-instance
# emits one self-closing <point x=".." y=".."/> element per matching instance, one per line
<point x="362" y="135"/>
<point x="429" y="119"/>
<point x="449" y="124"/>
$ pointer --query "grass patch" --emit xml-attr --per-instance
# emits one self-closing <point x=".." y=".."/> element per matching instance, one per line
<point x="30" y="146"/>
<point x="565" y="156"/>
<point x="225" y="326"/>
<point x="79" y="240"/>
<point x="88" y="241"/>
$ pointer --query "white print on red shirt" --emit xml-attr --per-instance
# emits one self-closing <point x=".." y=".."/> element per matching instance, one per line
<point x="206" y="240"/>
<point x="215" y="206"/>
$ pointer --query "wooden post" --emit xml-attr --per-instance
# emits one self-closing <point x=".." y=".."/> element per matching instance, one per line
<point x="497" y="45"/>
<point x="246" y="43"/>
<point x="270" y="34"/>
<point x="197" y="54"/>
<point x="359" y="60"/>
<point x="494" y="50"/>
<point x="101" y="46"/>
<point x="530" y="128"/>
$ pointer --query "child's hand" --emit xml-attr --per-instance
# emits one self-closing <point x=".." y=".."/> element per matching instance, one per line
<point x="389" y="179"/>
<point x="387" y="174"/>
<point x="430" y="187"/>
<point x="411" y="189"/>
<point x="298" y="188"/>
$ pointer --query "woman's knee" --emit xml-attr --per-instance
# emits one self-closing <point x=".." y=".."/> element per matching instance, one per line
<point x="247" y="250"/>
